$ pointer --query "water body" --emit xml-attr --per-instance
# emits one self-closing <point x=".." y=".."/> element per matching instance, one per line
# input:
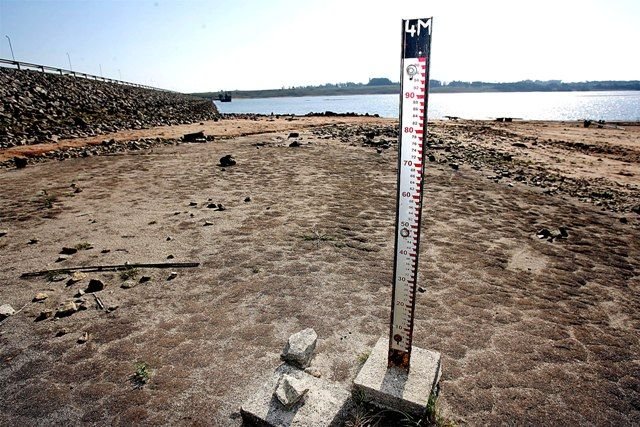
<point x="609" y="106"/>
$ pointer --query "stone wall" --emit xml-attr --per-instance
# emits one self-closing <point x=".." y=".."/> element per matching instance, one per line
<point x="36" y="107"/>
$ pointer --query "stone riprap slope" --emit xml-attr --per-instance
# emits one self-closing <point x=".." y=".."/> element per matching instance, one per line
<point x="38" y="107"/>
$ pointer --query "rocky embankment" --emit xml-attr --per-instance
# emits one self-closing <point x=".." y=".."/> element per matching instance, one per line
<point x="38" y="107"/>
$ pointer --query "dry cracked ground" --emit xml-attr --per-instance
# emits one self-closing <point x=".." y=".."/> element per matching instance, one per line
<point x="532" y="331"/>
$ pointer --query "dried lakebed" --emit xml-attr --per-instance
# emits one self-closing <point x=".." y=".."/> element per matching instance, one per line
<point x="531" y="330"/>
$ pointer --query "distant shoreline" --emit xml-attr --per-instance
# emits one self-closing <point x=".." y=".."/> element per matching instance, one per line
<point x="436" y="87"/>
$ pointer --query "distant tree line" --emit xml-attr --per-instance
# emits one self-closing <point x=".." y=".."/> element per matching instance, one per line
<point x="382" y="85"/>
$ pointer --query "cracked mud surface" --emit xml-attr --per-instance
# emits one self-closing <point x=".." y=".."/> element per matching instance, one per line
<point x="531" y="331"/>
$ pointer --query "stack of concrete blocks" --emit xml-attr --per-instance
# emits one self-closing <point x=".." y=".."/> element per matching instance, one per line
<point x="292" y="397"/>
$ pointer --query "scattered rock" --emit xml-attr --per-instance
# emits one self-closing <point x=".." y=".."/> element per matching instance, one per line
<point x="3" y="233"/>
<point x="128" y="285"/>
<point x="44" y="314"/>
<point x="20" y="162"/>
<point x="95" y="285"/>
<point x="76" y="277"/>
<point x="293" y="135"/>
<point x="170" y="256"/>
<point x="207" y="223"/>
<point x="563" y="232"/>
<point x="62" y="258"/>
<point x="66" y="309"/>
<point x="247" y="199"/>
<point x="144" y="279"/>
<point x="290" y="390"/>
<point x="5" y="311"/>
<point x="169" y="238"/>
<point x="623" y="220"/>
<point x="313" y="372"/>
<point x="83" y="338"/>
<point x="421" y="289"/>
<point x="543" y="233"/>
<point x="454" y="166"/>
<point x="227" y="161"/>
<point x="61" y="332"/>
<point x="68" y="251"/>
<point x="105" y="251"/>
<point x="32" y="241"/>
<point x="40" y="296"/>
<point x="194" y="137"/>
<point x="193" y="203"/>
<point x="299" y="348"/>
<point x="295" y="144"/>
<point x="172" y="275"/>
<point x="79" y="294"/>
<point x="112" y="307"/>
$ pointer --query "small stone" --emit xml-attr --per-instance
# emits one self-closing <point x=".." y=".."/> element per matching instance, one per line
<point x="62" y="258"/>
<point x="207" y="223"/>
<point x="454" y="166"/>
<point x="313" y="372"/>
<point x="44" y="314"/>
<point x="221" y="207"/>
<point x="563" y="232"/>
<point x="247" y="199"/>
<point x="543" y="233"/>
<point x="79" y="294"/>
<point x="76" y="277"/>
<point x="20" y="162"/>
<point x="193" y="204"/>
<point x="128" y="285"/>
<point x="169" y="238"/>
<point x="67" y="309"/>
<point x="227" y="161"/>
<point x="95" y="285"/>
<point x="61" y="332"/>
<point x="294" y="144"/>
<point x="172" y="275"/>
<point x="144" y="279"/>
<point x="624" y="220"/>
<point x="32" y="241"/>
<point x="5" y="311"/>
<point x="83" y="338"/>
<point x="57" y="278"/>
<point x="3" y="233"/>
<point x="421" y="289"/>
<point x="68" y="251"/>
<point x="299" y="348"/>
<point x="293" y="135"/>
<point x="290" y="390"/>
<point x="105" y="251"/>
<point x="40" y="296"/>
<point x="170" y="256"/>
<point x="112" y="308"/>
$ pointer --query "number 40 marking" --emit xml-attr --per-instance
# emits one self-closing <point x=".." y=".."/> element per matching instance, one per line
<point x="412" y="29"/>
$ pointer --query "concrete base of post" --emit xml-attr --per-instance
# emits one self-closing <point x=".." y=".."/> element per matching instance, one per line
<point x="394" y="388"/>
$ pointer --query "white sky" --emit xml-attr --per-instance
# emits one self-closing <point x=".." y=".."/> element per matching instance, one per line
<point x="250" y="44"/>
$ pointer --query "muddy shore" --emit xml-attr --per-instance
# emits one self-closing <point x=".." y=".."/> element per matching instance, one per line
<point x="534" y="328"/>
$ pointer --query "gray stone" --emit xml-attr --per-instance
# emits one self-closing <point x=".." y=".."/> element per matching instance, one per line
<point x="6" y="310"/>
<point x="325" y="404"/>
<point x="299" y="348"/>
<point x="290" y="390"/>
<point x="40" y="296"/>
<point x="394" y="388"/>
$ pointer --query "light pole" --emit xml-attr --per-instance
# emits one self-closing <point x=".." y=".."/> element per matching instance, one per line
<point x="10" y="47"/>
<point x="69" y="58"/>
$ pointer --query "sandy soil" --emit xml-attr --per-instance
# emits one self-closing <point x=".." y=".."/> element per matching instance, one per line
<point x="531" y="331"/>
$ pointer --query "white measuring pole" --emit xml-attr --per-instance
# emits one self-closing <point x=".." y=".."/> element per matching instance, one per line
<point x="414" y="86"/>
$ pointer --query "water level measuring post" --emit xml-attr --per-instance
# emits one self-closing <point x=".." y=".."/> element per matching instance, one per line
<point x="414" y="86"/>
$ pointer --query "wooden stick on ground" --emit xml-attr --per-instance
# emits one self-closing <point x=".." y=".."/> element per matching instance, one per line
<point x="115" y="267"/>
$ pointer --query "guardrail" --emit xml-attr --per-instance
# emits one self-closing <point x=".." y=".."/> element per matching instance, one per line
<point x="46" y="69"/>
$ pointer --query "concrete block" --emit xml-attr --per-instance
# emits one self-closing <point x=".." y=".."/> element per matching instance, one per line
<point x="394" y="388"/>
<point x="325" y="404"/>
<point x="299" y="348"/>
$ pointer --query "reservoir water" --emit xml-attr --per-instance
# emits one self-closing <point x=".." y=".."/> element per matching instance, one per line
<point x="609" y="106"/>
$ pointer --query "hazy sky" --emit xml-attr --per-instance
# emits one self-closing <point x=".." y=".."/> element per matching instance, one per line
<point x="250" y="44"/>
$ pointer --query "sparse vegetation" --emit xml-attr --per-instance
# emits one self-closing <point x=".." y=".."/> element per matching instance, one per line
<point x="362" y="357"/>
<point x="142" y="374"/>
<point x="48" y="201"/>
<point x="84" y="246"/>
<point x="316" y="236"/>
<point x="129" y="273"/>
